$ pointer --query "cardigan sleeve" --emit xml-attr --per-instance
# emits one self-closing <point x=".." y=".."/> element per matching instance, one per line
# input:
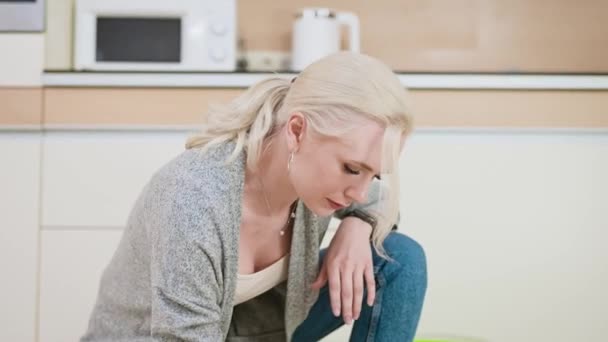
<point x="186" y="292"/>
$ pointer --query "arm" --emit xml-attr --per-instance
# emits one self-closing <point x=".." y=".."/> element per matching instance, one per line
<point x="185" y="293"/>
<point x="370" y="208"/>
<point x="372" y="204"/>
<point x="348" y="263"/>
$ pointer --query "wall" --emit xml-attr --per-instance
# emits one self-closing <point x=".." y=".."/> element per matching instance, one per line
<point x="462" y="35"/>
<point x="425" y="35"/>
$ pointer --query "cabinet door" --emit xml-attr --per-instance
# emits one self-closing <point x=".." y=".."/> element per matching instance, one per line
<point x="19" y="188"/>
<point x="70" y="269"/>
<point x="21" y="59"/>
<point x="514" y="229"/>
<point x="92" y="179"/>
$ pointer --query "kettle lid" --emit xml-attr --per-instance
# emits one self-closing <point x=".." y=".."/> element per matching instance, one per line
<point x="316" y="12"/>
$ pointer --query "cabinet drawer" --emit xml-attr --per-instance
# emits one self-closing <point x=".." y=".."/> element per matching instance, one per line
<point x="71" y="266"/>
<point x="93" y="179"/>
<point x="19" y="182"/>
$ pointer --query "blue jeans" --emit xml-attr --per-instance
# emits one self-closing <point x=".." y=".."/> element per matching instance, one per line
<point x="400" y="290"/>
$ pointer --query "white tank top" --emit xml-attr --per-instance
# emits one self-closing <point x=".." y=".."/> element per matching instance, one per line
<point x="252" y="285"/>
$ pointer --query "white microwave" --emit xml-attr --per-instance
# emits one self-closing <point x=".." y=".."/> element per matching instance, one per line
<point x="155" y="35"/>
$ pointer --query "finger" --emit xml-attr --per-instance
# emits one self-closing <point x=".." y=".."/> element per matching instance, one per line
<point x="357" y="292"/>
<point x="321" y="279"/>
<point x="370" y="284"/>
<point x="346" y="277"/>
<point x="334" y="291"/>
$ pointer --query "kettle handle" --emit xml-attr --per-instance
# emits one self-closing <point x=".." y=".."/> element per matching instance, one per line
<point x="351" y="20"/>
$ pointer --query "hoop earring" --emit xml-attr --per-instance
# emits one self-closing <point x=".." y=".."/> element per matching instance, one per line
<point x="289" y="162"/>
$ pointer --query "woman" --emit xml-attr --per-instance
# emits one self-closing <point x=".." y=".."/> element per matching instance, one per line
<point x="223" y="242"/>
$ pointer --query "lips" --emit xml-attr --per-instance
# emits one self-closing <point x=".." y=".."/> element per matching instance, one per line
<point x="335" y="205"/>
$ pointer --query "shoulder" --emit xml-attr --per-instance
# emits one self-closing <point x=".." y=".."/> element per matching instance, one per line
<point x="195" y="170"/>
<point x="195" y="187"/>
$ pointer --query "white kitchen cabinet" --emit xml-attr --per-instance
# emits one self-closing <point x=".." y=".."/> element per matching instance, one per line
<point x="21" y="59"/>
<point x="514" y="228"/>
<point x="19" y="215"/>
<point x="71" y="266"/>
<point x="92" y="179"/>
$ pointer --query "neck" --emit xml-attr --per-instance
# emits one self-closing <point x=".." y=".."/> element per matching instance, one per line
<point x="271" y="179"/>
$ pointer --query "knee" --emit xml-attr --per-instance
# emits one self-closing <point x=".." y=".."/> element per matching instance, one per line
<point x="409" y="257"/>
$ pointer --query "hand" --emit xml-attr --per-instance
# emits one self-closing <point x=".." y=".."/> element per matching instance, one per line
<point x="346" y="265"/>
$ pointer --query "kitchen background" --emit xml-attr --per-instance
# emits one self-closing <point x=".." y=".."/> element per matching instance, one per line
<point x="503" y="182"/>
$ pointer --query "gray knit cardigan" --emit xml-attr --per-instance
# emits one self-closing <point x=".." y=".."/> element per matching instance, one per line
<point x="173" y="275"/>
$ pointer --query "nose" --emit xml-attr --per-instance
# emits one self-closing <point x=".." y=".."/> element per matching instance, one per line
<point x="358" y="192"/>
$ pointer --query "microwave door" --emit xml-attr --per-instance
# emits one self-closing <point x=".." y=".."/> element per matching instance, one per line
<point x="149" y="42"/>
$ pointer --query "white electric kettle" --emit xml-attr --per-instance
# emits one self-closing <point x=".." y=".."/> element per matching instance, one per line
<point x="316" y="34"/>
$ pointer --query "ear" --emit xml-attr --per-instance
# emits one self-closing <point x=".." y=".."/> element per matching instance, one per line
<point x="296" y="130"/>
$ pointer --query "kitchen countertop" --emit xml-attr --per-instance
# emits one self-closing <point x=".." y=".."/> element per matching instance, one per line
<point x="479" y="81"/>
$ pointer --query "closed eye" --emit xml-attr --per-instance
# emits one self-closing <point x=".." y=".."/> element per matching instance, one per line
<point x="352" y="171"/>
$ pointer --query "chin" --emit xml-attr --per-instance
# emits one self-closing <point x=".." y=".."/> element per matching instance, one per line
<point x="323" y="211"/>
<point x="320" y="210"/>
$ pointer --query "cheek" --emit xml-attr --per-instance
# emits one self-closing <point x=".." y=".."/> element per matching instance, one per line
<point x="317" y="180"/>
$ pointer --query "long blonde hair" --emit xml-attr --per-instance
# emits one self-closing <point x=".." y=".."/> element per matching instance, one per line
<point x="328" y="93"/>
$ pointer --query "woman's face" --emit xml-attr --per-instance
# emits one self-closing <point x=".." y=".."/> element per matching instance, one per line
<point x="331" y="173"/>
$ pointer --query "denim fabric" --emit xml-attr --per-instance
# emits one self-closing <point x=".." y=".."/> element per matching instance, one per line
<point x="400" y="290"/>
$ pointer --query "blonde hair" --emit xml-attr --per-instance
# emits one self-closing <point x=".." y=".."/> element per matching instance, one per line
<point x="328" y="93"/>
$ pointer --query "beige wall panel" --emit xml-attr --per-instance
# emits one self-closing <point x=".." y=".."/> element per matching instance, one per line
<point x="462" y="35"/>
<point x="433" y="108"/>
<point x="517" y="109"/>
<point x="20" y="106"/>
<point x="122" y="106"/>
